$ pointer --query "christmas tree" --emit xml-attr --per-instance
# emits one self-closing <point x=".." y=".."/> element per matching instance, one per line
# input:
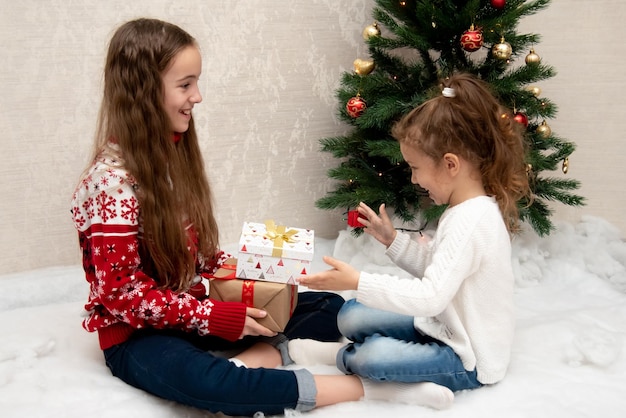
<point x="413" y="44"/>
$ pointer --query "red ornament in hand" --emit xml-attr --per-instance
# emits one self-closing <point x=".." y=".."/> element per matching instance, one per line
<point x="355" y="106"/>
<point x="353" y="219"/>
<point x="520" y="117"/>
<point x="472" y="39"/>
<point x="498" y="4"/>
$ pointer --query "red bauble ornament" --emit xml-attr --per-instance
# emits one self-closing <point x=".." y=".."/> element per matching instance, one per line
<point x="520" y="117"/>
<point x="472" y="39"/>
<point x="355" y="106"/>
<point x="498" y="4"/>
<point x="353" y="219"/>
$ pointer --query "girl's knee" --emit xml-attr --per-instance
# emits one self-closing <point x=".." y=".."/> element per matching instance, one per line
<point x="365" y="359"/>
<point x="348" y="319"/>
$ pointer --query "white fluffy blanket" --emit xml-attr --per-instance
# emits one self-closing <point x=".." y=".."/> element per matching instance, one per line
<point x="568" y="358"/>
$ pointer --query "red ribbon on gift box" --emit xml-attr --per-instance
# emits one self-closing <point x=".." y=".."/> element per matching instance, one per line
<point x="247" y="294"/>
<point x="233" y="271"/>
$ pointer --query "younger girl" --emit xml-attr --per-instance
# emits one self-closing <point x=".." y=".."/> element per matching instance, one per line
<point x="453" y="323"/>
<point x="147" y="231"/>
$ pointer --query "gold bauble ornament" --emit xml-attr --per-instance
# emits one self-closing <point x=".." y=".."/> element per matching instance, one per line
<point x="565" y="167"/>
<point x="532" y="57"/>
<point x="544" y="130"/>
<point x="503" y="50"/>
<point x="363" y="67"/>
<point x="536" y="91"/>
<point x="371" y="31"/>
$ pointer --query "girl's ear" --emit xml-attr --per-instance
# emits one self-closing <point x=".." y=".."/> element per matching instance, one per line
<point x="452" y="163"/>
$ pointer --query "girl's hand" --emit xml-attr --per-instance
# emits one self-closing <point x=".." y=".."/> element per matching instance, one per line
<point x="252" y="327"/>
<point x="380" y="227"/>
<point x="342" y="277"/>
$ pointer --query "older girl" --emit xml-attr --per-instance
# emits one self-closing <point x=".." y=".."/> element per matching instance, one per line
<point x="147" y="231"/>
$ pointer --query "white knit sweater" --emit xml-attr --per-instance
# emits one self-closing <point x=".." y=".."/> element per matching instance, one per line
<point x="462" y="292"/>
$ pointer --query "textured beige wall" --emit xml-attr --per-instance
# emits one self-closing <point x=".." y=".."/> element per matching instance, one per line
<point x="582" y="40"/>
<point x="271" y="69"/>
<point x="269" y="78"/>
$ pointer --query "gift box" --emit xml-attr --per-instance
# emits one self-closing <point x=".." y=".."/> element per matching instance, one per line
<point x="277" y="299"/>
<point x="274" y="253"/>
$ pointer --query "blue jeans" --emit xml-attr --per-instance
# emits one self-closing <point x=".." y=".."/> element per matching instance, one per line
<point x="387" y="347"/>
<point x="177" y="366"/>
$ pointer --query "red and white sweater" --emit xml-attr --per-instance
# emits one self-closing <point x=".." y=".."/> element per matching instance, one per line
<point x="122" y="297"/>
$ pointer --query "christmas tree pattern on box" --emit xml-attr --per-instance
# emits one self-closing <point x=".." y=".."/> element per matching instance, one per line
<point x="274" y="253"/>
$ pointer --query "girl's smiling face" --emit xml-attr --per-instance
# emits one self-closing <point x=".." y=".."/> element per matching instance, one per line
<point x="180" y="87"/>
<point x="427" y="174"/>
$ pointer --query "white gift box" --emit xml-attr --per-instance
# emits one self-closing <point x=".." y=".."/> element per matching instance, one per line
<point x="274" y="253"/>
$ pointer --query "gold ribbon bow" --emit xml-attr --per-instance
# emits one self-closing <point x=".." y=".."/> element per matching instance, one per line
<point x="278" y="235"/>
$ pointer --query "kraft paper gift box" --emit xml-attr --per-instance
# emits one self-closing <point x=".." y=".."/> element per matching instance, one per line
<point x="274" y="253"/>
<point x="277" y="299"/>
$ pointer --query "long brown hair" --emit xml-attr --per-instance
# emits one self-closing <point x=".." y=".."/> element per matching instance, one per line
<point x="173" y="191"/>
<point x="469" y="121"/>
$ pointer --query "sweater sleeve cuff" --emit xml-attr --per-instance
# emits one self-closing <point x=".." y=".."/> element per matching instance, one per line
<point x="227" y="319"/>
<point x="398" y="246"/>
<point x="367" y="289"/>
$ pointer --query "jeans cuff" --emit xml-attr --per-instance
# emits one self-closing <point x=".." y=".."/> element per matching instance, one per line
<point x="307" y="392"/>
<point x="281" y="343"/>
<point x="341" y="365"/>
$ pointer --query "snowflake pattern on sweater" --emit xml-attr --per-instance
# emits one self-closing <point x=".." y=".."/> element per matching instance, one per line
<point x="106" y="213"/>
